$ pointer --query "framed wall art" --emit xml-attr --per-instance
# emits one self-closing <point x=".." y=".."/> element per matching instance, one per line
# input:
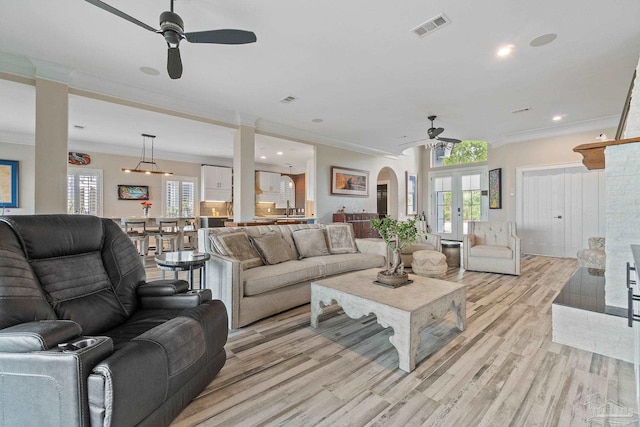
<point x="133" y="192"/>
<point x="495" y="188"/>
<point x="9" y="183"/>
<point x="349" y="182"/>
<point x="412" y="193"/>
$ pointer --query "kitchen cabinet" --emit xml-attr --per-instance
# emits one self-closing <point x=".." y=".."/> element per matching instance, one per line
<point x="361" y="223"/>
<point x="217" y="183"/>
<point x="269" y="185"/>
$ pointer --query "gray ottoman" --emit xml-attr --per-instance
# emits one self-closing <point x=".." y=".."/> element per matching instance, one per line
<point x="429" y="263"/>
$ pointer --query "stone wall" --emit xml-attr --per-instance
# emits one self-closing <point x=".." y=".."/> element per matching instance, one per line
<point x="622" y="204"/>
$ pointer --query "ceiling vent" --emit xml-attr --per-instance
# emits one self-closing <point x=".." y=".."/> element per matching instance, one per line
<point x="288" y="99"/>
<point x="431" y="25"/>
<point x="521" y="110"/>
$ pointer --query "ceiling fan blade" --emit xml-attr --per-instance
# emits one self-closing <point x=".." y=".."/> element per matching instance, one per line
<point x="174" y="63"/>
<point x="449" y="140"/>
<point x="102" y="5"/>
<point x="221" y="37"/>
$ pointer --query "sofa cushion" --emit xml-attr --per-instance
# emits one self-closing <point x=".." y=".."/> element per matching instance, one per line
<point x="342" y="263"/>
<point x="490" y="251"/>
<point x="272" y="248"/>
<point x="267" y="278"/>
<point x="237" y="245"/>
<point x="341" y="239"/>
<point x="310" y="243"/>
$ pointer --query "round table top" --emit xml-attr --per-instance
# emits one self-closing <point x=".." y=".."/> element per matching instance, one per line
<point x="451" y="244"/>
<point x="182" y="258"/>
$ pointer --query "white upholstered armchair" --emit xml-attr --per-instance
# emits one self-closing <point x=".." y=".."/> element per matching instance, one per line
<point x="492" y="247"/>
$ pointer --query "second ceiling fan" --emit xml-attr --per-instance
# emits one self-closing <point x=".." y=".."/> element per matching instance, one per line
<point x="172" y="29"/>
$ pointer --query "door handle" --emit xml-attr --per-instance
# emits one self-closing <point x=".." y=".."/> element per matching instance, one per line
<point x="559" y="216"/>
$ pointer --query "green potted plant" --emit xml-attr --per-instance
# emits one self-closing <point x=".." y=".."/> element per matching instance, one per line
<point x="397" y="235"/>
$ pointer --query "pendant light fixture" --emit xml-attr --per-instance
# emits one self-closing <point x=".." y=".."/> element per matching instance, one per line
<point x="153" y="166"/>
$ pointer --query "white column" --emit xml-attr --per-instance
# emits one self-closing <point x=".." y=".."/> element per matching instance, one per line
<point x="244" y="171"/>
<point x="52" y="118"/>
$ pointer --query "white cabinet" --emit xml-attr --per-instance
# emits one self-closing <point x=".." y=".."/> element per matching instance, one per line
<point x="269" y="185"/>
<point x="216" y="183"/>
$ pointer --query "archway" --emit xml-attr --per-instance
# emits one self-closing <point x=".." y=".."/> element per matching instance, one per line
<point x="387" y="194"/>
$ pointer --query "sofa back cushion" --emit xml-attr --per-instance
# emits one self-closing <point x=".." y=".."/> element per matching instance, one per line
<point x="65" y="253"/>
<point x="272" y="248"/>
<point x="237" y="245"/>
<point x="491" y="233"/>
<point x="21" y="297"/>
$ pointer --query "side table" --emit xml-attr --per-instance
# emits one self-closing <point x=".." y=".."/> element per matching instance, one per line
<point x="451" y="250"/>
<point x="184" y="261"/>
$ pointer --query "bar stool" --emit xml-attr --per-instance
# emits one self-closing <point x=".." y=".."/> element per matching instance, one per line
<point x="190" y="233"/>
<point x="167" y="231"/>
<point x="137" y="232"/>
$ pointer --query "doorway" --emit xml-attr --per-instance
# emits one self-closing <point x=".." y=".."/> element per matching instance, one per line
<point x="559" y="209"/>
<point x="382" y="198"/>
<point x="456" y="199"/>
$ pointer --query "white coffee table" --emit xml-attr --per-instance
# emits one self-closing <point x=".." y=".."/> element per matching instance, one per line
<point x="407" y="309"/>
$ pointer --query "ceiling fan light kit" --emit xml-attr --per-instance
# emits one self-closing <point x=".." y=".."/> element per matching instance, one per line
<point x="154" y="168"/>
<point x="172" y="29"/>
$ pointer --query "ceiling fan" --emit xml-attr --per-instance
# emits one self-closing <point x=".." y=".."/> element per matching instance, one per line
<point x="172" y="29"/>
<point x="444" y="146"/>
<point x="434" y="133"/>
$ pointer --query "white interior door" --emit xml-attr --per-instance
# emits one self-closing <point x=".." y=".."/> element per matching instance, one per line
<point x="561" y="209"/>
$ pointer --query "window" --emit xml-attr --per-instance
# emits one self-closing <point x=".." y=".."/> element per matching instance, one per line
<point x="84" y="191"/>
<point x="442" y="191"/>
<point x="471" y="210"/>
<point x="179" y="196"/>
<point x="463" y="152"/>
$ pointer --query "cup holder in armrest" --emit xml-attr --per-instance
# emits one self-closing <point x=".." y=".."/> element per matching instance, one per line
<point x="195" y="291"/>
<point x="78" y="344"/>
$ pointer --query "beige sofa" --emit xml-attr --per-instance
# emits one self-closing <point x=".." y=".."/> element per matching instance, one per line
<point x="253" y="290"/>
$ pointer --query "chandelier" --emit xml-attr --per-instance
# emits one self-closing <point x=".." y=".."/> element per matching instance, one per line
<point x="441" y="150"/>
<point x="152" y="167"/>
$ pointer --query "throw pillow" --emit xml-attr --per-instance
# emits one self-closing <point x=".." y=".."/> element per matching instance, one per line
<point x="237" y="245"/>
<point x="310" y="242"/>
<point x="272" y="248"/>
<point x="340" y="239"/>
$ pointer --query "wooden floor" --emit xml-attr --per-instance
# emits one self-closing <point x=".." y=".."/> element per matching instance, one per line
<point x="502" y="370"/>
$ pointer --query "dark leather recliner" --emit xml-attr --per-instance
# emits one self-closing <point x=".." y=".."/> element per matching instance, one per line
<point x="84" y="340"/>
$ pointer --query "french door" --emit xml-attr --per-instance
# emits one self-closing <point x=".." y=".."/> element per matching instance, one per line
<point x="456" y="199"/>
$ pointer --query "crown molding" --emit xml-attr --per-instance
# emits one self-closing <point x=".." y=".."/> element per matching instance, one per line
<point x="565" y="129"/>
<point x="17" y="137"/>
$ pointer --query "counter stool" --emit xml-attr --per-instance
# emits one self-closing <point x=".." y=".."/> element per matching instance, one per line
<point x="167" y="231"/>
<point x="137" y="232"/>
<point x="429" y="263"/>
<point x="189" y="239"/>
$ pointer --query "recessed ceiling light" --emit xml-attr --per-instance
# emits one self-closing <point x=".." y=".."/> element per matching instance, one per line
<point x="505" y="50"/>
<point x="557" y="118"/>
<point x="279" y="153"/>
<point x="150" y="71"/>
<point x="263" y="157"/>
<point x="317" y="120"/>
<point x="543" y="40"/>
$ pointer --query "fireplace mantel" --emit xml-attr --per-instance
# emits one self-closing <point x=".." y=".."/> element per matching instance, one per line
<point x="593" y="153"/>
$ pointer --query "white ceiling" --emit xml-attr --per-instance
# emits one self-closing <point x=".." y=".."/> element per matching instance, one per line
<point x="355" y="64"/>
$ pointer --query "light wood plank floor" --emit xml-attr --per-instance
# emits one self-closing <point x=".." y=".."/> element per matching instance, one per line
<point x="502" y="370"/>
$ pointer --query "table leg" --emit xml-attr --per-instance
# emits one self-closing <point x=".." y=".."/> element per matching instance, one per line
<point x="191" y="277"/>
<point x="203" y="276"/>
<point x="316" y="310"/>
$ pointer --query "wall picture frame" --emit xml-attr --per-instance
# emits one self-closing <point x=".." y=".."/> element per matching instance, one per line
<point x="495" y="188"/>
<point x="133" y="192"/>
<point x="349" y="182"/>
<point x="412" y="193"/>
<point x="9" y="176"/>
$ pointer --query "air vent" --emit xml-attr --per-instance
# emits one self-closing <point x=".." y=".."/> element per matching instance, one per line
<point x="431" y="25"/>
<point x="288" y="99"/>
<point x="521" y="110"/>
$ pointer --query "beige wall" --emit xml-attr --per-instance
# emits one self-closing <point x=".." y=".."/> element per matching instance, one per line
<point x="327" y="203"/>
<point x="539" y="152"/>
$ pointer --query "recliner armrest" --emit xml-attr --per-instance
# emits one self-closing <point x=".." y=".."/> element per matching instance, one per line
<point x="183" y="300"/>
<point x="157" y="288"/>
<point x="37" y="336"/>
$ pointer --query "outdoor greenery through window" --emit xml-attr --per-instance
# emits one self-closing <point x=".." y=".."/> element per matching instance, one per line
<point x="470" y="199"/>
<point x="464" y="152"/>
<point x="179" y="196"/>
<point x="84" y="191"/>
